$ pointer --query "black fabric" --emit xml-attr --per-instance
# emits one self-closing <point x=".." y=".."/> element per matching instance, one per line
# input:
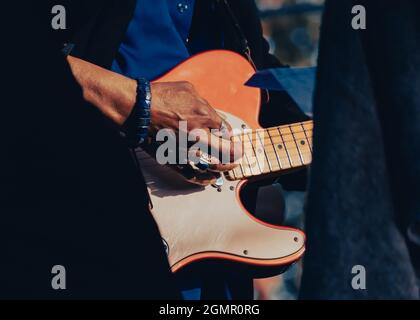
<point x="364" y="185"/>
<point x="70" y="192"/>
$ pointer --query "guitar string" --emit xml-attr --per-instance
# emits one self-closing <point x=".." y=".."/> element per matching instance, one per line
<point x="283" y="143"/>
<point x="309" y="154"/>
<point x="273" y="135"/>
<point x="294" y="164"/>
<point x="275" y="151"/>
<point x="250" y="151"/>
<point x="281" y="129"/>
<point x="286" y="126"/>
<point x="278" y="158"/>
<point x="291" y="140"/>
<point x="274" y="170"/>
<point x="275" y="145"/>
<point x="294" y="125"/>
<point x="297" y="151"/>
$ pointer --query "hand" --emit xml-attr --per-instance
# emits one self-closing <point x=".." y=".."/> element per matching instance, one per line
<point x="173" y="102"/>
<point x="115" y="95"/>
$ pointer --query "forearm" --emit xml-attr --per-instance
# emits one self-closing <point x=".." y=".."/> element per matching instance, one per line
<point x="113" y="94"/>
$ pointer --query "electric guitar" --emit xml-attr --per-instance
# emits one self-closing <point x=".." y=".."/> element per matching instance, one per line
<point x="211" y="223"/>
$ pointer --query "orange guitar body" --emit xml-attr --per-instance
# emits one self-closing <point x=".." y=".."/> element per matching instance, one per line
<point x="219" y="77"/>
<point x="207" y="224"/>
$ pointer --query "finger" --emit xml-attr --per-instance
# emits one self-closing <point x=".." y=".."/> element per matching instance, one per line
<point x="214" y="121"/>
<point x="222" y="167"/>
<point x="208" y="163"/>
<point x="226" y="150"/>
<point x="217" y="166"/>
<point x="214" y="154"/>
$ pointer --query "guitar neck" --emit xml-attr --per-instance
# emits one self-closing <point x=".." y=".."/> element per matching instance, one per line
<point x="273" y="150"/>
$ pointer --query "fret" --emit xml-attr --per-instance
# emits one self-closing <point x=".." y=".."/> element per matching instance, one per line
<point x="308" y="125"/>
<point x="279" y="149"/>
<point x="241" y="170"/>
<point x="296" y="144"/>
<point x="262" y="157"/>
<point x="307" y="133"/>
<point x="246" y="168"/>
<point x="274" y="149"/>
<point x="290" y="146"/>
<point x="302" y="144"/>
<point x="308" y="129"/>
<point x="249" y="151"/>
<point x="289" y="138"/>
<point x="269" y="151"/>
<point x="272" y="154"/>
<point x="244" y="164"/>
<point x="238" y="173"/>
<point x="286" y="159"/>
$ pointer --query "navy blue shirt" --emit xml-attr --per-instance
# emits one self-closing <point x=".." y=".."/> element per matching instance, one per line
<point x="156" y="39"/>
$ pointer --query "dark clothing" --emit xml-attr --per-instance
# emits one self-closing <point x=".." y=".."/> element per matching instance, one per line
<point x="364" y="187"/>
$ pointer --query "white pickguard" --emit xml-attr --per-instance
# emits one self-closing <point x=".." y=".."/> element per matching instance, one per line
<point x="195" y="220"/>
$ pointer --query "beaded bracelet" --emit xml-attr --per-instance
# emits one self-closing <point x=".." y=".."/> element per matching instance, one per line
<point x="143" y="103"/>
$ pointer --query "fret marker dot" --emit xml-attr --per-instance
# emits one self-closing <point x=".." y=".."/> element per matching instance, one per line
<point x="280" y="146"/>
<point x="302" y="142"/>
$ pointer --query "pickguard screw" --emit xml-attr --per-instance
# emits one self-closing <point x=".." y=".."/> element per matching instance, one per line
<point x="296" y="239"/>
<point x="246" y="252"/>
<point x="232" y="188"/>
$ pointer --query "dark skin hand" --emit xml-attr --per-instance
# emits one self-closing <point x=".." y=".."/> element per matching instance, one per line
<point x="114" y="95"/>
<point x="179" y="101"/>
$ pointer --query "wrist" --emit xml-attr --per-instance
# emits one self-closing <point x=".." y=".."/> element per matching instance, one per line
<point x="137" y="123"/>
<point x="142" y="110"/>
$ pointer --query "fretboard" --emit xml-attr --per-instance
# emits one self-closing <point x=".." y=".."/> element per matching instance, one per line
<point x="274" y="149"/>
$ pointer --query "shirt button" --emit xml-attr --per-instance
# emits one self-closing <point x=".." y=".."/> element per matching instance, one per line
<point x="182" y="7"/>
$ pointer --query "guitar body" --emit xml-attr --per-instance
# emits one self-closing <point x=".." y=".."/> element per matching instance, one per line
<point x="209" y="223"/>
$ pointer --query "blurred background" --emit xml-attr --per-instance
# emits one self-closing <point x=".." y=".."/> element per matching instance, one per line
<point x="292" y="28"/>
